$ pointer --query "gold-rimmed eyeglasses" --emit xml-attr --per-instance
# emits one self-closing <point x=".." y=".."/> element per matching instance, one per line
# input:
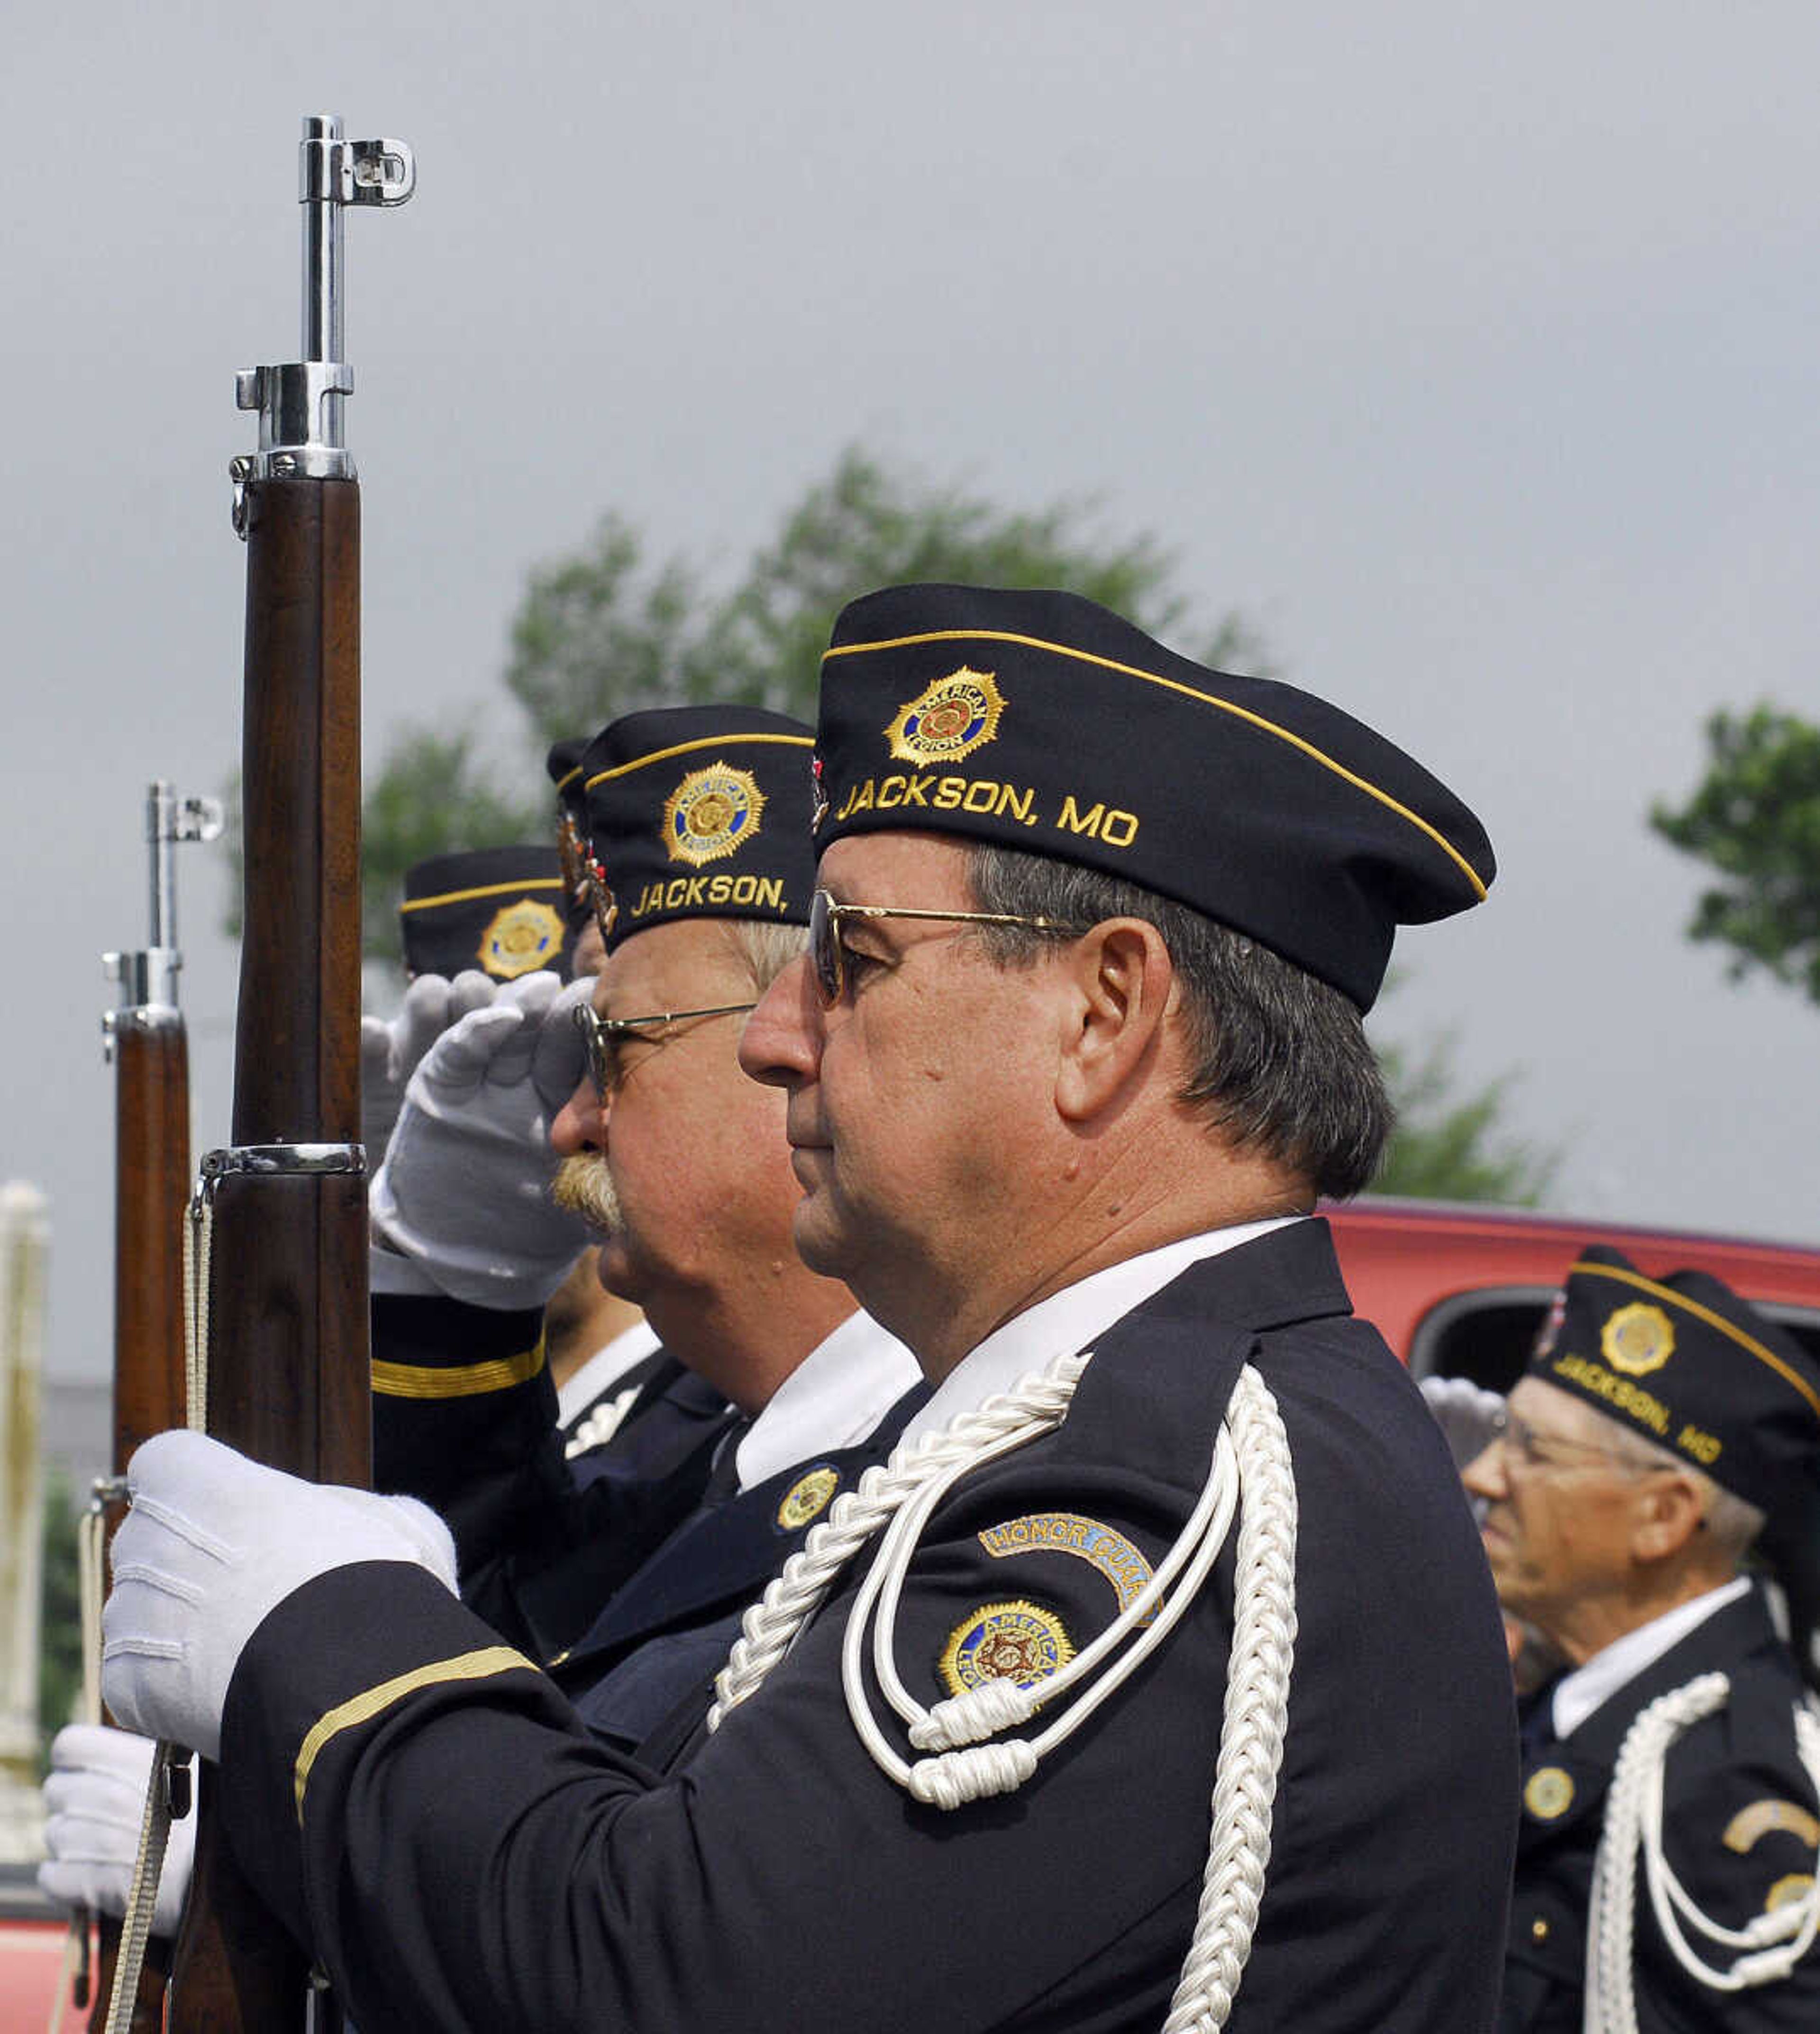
<point x="827" y="956"/>
<point x="603" y="1036"/>
<point x="1531" y="1445"/>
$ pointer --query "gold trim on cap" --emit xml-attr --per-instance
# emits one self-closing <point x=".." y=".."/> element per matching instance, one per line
<point x="362" y="1708"/>
<point x="567" y="778"/>
<point x="1587" y="1269"/>
<point x="689" y="748"/>
<point x="1191" y="691"/>
<point x="485" y="890"/>
<point x="463" y="1380"/>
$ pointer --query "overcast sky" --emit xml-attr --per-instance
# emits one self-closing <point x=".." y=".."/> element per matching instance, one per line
<point x="1469" y="350"/>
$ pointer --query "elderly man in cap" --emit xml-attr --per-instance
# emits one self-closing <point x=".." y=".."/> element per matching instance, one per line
<point x="1175" y="1529"/>
<point x="1665" y="1861"/>
<point x="767" y="1379"/>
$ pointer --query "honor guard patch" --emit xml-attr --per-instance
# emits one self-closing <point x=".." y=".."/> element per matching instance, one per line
<point x="808" y="1498"/>
<point x="712" y="812"/>
<point x="1638" y="1339"/>
<point x="948" y="719"/>
<point x="523" y="938"/>
<point x="1005" y="1642"/>
<point x="1761" y="1816"/>
<point x="1549" y="1794"/>
<point x="1087" y="1539"/>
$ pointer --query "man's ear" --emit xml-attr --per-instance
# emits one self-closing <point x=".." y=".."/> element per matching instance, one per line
<point x="1670" y="1511"/>
<point x="1118" y="985"/>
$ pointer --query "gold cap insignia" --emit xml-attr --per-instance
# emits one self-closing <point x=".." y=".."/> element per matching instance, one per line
<point x="712" y="812"/>
<point x="948" y="719"/>
<point x="1005" y="1642"/>
<point x="808" y="1498"/>
<point x="1638" y="1339"/>
<point x="1549" y="1793"/>
<point x="522" y="937"/>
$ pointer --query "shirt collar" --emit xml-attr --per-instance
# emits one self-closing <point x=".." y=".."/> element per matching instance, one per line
<point x="604" y="1369"/>
<point x="833" y="1399"/>
<point x="1068" y="1320"/>
<point x="1589" y="1687"/>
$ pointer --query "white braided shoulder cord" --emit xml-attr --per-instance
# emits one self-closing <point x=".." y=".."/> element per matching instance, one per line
<point x="1770" y="1945"/>
<point x="1251" y="1449"/>
<point x="155" y="1825"/>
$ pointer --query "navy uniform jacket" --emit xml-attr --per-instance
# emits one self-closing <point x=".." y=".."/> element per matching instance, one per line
<point x="646" y="1666"/>
<point x="429" y="1811"/>
<point x="465" y="1417"/>
<point x="1739" y="1830"/>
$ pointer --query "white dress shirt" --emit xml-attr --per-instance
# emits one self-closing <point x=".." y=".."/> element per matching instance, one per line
<point x="601" y="1372"/>
<point x="834" y="1397"/>
<point x="1578" y="1694"/>
<point x="1068" y="1320"/>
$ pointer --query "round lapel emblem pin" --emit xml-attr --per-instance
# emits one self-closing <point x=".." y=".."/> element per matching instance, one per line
<point x="808" y="1498"/>
<point x="1549" y="1793"/>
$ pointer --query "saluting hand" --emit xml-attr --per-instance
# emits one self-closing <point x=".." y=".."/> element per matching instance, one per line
<point x="390" y="1048"/>
<point x="462" y="1205"/>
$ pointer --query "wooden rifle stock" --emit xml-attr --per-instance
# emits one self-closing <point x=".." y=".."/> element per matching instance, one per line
<point x="151" y="1183"/>
<point x="150" y="1049"/>
<point x="290" y="1368"/>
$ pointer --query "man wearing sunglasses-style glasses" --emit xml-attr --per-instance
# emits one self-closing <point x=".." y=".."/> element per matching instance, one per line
<point x="1081" y="1044"/>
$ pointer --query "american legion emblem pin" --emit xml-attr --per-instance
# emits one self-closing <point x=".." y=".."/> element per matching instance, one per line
<point x="808" y="1498"/>
<point x="1549" y="1793"/>
<point x="1016" y="1642"/>
<point x="948" y="719"/>
<point x="1638" y="1339"/>
<point x="522" y="937"/>
<point x="712" y="812"/>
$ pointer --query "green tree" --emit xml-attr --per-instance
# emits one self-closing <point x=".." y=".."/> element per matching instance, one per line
<point x="431" y="797"/>
<point x="599" y="635"/>
<point x="1447" y="1149"/>
<point x="1754" y="819"/>
<point x="605" y="632"/>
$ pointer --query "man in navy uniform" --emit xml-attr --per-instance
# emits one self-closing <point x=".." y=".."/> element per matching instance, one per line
<point x="1060" y="1113"/>
<point x="766" y="1378"/>
<point x="1663" y="1431"/>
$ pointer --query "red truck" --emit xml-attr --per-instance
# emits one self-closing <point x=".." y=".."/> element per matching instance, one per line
<point x="1459" y="1290"/>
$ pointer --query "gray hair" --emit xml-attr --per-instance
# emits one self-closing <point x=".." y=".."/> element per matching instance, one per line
<point x="1732" y="1522"/>
<point x="1280" y="1062"/>
<point x="766" y="949"/>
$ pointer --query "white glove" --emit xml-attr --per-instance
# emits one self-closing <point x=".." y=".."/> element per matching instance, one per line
<point x="94" y="1802"/>
<point x="391" y="1047"/>
<point x="1469" y="1414"/>
<point x="212" y="1543"/>
<point x="463" y="1196"/>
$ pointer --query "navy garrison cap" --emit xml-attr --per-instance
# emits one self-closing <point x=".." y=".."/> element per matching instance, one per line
<point x="501" y="910"/>
<point x="1043" y="722"/>
<point x="700" y="813"/>
<point x="1690" y="1365"/>
<point x="564" y="764"/>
